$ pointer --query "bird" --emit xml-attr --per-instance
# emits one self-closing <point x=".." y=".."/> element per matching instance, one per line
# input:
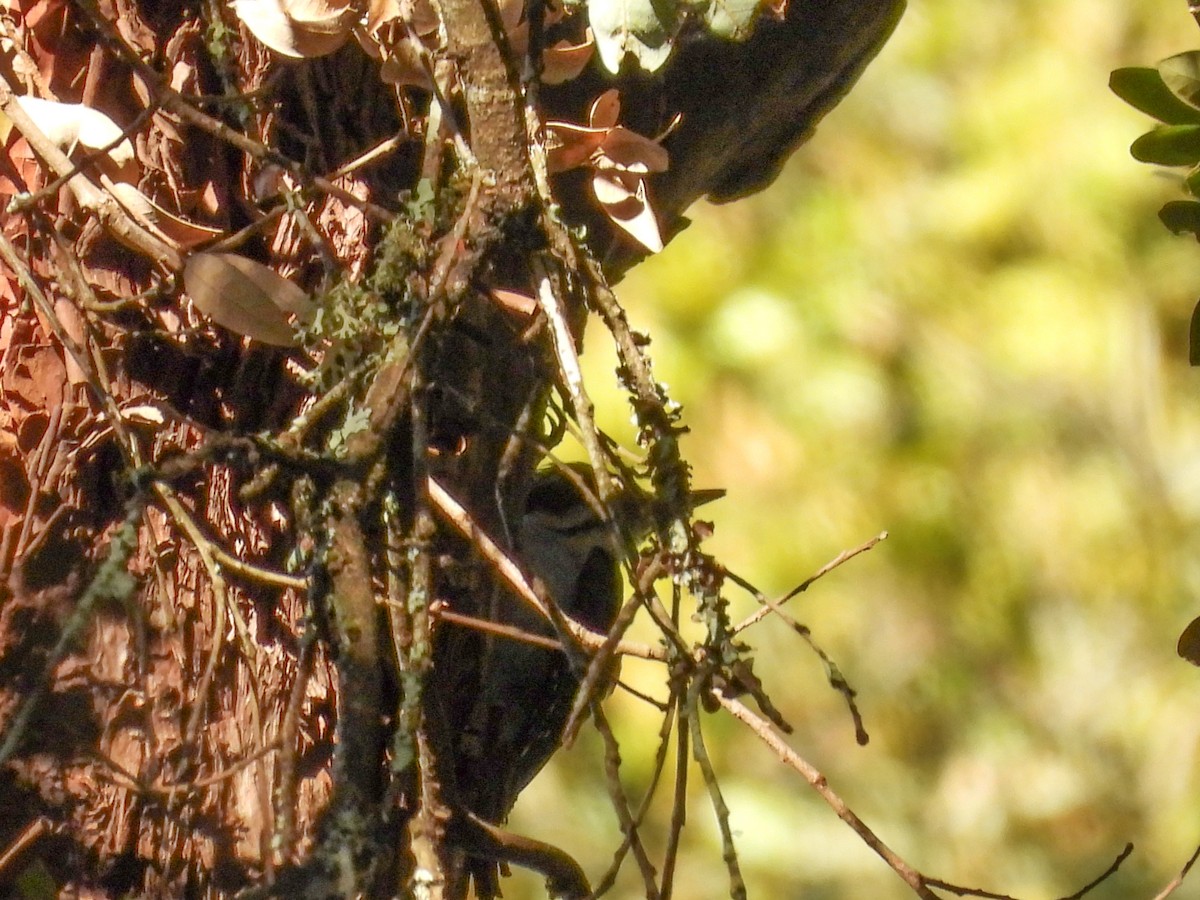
<point x="525" y="691"/>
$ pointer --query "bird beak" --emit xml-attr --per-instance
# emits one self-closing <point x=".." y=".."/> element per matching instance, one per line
<point x="708" y="495"/>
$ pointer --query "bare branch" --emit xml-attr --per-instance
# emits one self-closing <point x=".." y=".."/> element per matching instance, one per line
<point x="454" y="513"/>
<point x="1178" y="879"/>
<point x="770" y="607"/>
<point x="790" y="757"/>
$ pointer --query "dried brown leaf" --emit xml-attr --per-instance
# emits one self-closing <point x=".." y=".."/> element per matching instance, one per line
<point x="172" y="228"/>
<point x="620" y="160"/>
<point x="72" y="124"/>
<point x="246" y="297"/>
<point x="568" y="145"/>
<point x="515" y="301"/>
<point x="623" y="197"/>
<point x="565" y="60"/>
<point x="298" y="29"/>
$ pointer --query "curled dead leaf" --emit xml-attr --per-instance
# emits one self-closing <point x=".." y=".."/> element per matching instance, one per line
<point x="70" y="125"/>
<point x="398" y="33"/>
<point x="565" y="60"/>
<point x="172" y="228"/>
<point x="298" y="29"/>
<point x="569" y="145"/>
<point x="143" y="414"/>
<point x="623" y="197"/>
<point x="380" y="12"/>
<point x="620" y="159"/>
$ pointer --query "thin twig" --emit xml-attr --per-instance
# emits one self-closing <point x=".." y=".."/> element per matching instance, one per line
<point x="1178" y="879"/>
<point x="572" y="377"/>
<point x="836" y="679"/>
<point x="769" y="607"/>
<point x="251" y="572"/>
<point x="456" y="515"/>
<point x="174" y="102"/>
<point x="283" y="841"/>
<point x="98" y="385"/>
<point x="679" y="799"/>
<point x="172" y="789"/>
<point x="620" y="802"/>
<point x="486" y="626"/>
<point x="26" y="202"/>
<point x="1103" y="876"/>
<point x="380" y="150"/>
<point x="597" y="670"/>
<point x="31" y="832"/>
<point x="737" y="884"/>
<point x="787" y="755"/>
<point x="110" y="213"/>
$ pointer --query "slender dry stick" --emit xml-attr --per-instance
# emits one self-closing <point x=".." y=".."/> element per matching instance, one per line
<point x="283" y="841"/>
<point x="204" y="548"/>
<point x="111" y="213"/>
<point x="1103" y="876"/>
<point x="966" y="891"/>
<point x="836" y="680"/>
<point x="31" y="832"/>
<point x="251" y="572"/>
<point x="128" y="446"/>
<point x="737" y="884"/>
<point x="620" y="802"/>
<point x="36" y="472"/>
<point x="787" y="755"/>
<point x="380" y="150"/>
<point x="773" y="606"/>
<point x="1178" y="879"/>
<point x="172" y="101"/>
<point x="597" y="671"/>
<point x="487" y="626"/>
<point x="169" y="790"/>
<point x="568" y="367"/>
<point x="225" y="605"/>
<point x="679" y="800"/>
<point x="660" y="762"/>
<point x="457" y="516"/>
<point x="26" y="202"/>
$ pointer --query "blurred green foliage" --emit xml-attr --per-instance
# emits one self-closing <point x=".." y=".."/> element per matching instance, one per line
<point x="956" y="317"/>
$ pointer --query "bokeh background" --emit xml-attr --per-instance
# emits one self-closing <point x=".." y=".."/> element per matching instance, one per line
<point x="955" y="317"/>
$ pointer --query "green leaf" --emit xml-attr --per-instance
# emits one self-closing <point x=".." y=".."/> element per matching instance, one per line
<point x="1169" y="145"/>
<point x="1181" y="73"/>
<point x="642" y="29"/>
<point x="1193" y="359"/>
<point x="1181" y="217"/>
<point x="1192" y="182"/>
<point x="1144" y="89"/>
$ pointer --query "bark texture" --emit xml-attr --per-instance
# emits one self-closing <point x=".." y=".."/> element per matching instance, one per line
<point x="167" y="710"/>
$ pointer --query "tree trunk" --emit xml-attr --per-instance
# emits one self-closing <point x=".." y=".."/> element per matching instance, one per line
<point x="219" y="558"/>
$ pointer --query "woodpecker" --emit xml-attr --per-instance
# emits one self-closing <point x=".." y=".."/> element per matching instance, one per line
<point x="525" y="691"/>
